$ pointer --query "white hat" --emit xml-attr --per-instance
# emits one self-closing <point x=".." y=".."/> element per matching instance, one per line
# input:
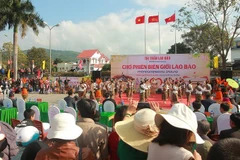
<point x="138" y="131"/>
<point x="26" y="135"/>
<point x="180" y="116"/>
<point x="63" y="126"/>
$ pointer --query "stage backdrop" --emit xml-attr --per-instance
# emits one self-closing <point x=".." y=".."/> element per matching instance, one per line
<point x="195" y="67"/>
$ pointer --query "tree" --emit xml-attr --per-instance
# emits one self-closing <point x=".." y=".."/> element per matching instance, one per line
<point x="222" y="15"/>
<point x="181" y="48"/>
<point x="38" y="55"/>
<point x="22" y="59"/>
<point x="18" y="14"/>
<point x="106" y="67"/>
<point x="7" y="49"/>
<point x="57" y="60"/>
<point x="198" y="39"/>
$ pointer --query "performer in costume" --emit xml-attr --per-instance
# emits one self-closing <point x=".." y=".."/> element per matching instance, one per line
<point x="198" y="92"/>
<point x="189" y="89"/>
<point x="130" y="89"/>
<point x="165" y="89"/>
<point x="121" y="89"/>
<point x="207" y="88"/>
<point x="175" y="89"/>
<point x="143" y="89"/>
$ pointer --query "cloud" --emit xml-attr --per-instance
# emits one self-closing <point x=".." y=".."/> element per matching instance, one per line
<point x="114" y="33"/>
<point x="160" y="3"/>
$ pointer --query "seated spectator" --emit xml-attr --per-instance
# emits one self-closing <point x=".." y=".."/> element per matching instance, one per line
<point x="14" y="100"/>
<point x="26" y="135"/>
<point x="224" y="108"/>
<point x="203" y="130"/>
<point x="70" y="99"/>
<point x="62" y="136"/>
<point x="228" y="101"/>
<point x="177" y="136"/>
<point x="113" y="138"/>
<point x="108" y="97"/>
<point x="196" y="106"/>
<point x="32" y="149"/>
<point x="136" y="133"/>
<point x="29" y="116"/>
<point x="226" y="149"/>
<point x="8" y="145"/>
<point x="207" y="101"/>
<point x="234" y="132"/>
<point x="94" y="136"/>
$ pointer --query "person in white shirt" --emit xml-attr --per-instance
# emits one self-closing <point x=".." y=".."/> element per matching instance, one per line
<point x="207" y="88"/>
<point x="175" y="89"/>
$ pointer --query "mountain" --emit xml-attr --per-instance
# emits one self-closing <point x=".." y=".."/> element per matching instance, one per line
<point x="65" y="56"/>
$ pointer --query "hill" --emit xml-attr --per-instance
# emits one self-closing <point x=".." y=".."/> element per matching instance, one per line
<point x="65" y="56"/>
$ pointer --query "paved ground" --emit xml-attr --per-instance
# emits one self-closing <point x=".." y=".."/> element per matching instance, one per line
<point x="50" y="98"/>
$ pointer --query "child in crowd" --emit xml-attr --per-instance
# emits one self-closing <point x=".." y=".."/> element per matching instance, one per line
<point x="196" y="106"/>
<point x="29" y="116"/>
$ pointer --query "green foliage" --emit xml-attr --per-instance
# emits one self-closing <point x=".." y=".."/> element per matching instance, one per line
<point x="22" y="60"/>
<point x="106" y="67"/>
<point x="7" y="53"/>
<point x="181" y="49"/>
<point x="68" y="74"/>
<point x="38" y="55"/>
<point x="57" y="60"/>
<point x="18" y="15"/>
<point x="199" y="38"/>
<point x="106" y="73"/>
<point x="65" y="56"/>
<point x="211" y="25"/>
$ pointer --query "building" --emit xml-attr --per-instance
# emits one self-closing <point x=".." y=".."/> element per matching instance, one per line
<point x="65" y="67"/>
<point x="236" y="54"/>
<point x="92" y="60"/>
<point x="236" y="50"/>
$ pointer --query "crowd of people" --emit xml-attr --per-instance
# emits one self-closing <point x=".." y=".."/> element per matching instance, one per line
<point x="141" y="130"/>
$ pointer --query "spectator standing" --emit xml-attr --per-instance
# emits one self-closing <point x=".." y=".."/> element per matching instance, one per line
<point x="94" y="136"/>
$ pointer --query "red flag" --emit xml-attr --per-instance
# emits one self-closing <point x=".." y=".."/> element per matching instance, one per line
<point x="140" y="20"/>
<point x="171" y="19"/>
<point x="80" y="64"/>
<point x="153" y="19"/>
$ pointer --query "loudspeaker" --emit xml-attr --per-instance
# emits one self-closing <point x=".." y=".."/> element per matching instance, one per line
<point x="95" y="75"/>
<point x="226" y="74"/>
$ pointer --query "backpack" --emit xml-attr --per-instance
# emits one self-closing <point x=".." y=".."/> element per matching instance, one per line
<point x="12" y="148"/>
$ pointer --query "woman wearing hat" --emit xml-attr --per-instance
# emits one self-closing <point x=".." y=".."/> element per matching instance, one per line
<point x="136" y="133"/>
<point x="62" y="136"/>
<point x="177" y="136"/>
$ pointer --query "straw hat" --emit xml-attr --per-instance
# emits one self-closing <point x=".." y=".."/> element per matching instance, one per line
<point x="138" y="131"/>
<point x="180" y="116"/>
<point x="63" y="127"/>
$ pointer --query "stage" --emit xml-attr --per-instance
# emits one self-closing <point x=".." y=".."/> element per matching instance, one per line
<point x="153" y="97"/>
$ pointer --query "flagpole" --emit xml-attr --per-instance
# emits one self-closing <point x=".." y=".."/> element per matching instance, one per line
<point x="145" y="40"/>
<point x="175" y="36"/>
<point x="159" y="35"/>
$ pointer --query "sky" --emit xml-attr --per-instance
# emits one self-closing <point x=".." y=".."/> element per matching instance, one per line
<point x="106" y="25"/>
